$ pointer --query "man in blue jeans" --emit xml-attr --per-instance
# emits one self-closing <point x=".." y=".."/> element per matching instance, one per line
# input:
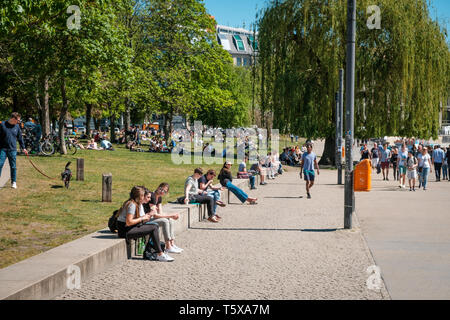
<point x="9" y="134"/>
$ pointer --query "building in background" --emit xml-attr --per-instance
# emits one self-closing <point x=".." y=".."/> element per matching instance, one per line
<point x="240" y="43"/>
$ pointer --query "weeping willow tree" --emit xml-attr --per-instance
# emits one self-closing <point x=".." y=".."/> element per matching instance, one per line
<point x="402" y="69"/>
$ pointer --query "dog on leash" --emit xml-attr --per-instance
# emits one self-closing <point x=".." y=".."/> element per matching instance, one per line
<point x="67" y="175"/>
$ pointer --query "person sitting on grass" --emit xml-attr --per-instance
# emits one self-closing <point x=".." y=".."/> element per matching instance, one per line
<point x="152" y="203"/>
<point x="92" y="145"/>
<point x="105" y="144"/>
<point x="205" y="183"/>
<point x="192" y="194"/>
<point x="131" y="224"/>
<point x="226" y="179"/>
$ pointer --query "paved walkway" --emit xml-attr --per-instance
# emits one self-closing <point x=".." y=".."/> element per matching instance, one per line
<point x="286" y="247"/>
<point x="5" y="175"/>
<point x="408" y="233"/>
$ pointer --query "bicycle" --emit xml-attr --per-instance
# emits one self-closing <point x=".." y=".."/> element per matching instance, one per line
<point x="50" y="145"/>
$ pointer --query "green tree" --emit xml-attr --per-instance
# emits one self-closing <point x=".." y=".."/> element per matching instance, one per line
<point x="401" y="69"/>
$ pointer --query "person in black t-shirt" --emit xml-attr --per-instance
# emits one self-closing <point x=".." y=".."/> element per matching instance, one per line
<point x="152" y="203"/>
<point x="365" y="153"/>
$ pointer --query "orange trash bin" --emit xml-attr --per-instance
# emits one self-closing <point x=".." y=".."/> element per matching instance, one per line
<point x="362" y="178"/>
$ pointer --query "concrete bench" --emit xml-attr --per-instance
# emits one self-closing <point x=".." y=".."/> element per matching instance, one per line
<point x="46" y="275"/>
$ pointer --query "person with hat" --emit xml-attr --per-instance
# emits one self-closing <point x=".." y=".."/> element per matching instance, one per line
<point x="9" y="134"/>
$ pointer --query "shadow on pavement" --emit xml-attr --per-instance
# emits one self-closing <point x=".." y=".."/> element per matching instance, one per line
<point x="268" y="229"/>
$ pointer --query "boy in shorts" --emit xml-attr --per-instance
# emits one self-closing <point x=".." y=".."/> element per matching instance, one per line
<point x="309" y="161"/>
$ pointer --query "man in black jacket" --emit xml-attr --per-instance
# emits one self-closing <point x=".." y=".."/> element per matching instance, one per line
<point x="9" y="134"/>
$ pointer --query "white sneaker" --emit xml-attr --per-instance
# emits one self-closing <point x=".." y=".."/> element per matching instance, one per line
<point x="177" y="248"/>
<point x="14" y="185"/>
<point x="173" y="250"/>
<point x="164" y="258"/>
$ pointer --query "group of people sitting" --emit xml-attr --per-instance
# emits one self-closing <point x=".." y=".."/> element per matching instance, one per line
<point x="292" y="155"/>
<point x="105" y="144"/>
<point x="199" y="188"/>
<point x="158" y="144"/>
<point x="142" y="214"/>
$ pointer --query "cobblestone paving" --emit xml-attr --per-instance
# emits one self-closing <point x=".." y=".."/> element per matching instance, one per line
<point x="286" y="247"/>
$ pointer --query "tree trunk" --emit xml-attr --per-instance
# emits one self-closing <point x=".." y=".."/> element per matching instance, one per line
<point x="96" y="124"/>
<point x="127" y="114"/>
<point x="329" y="152"/>
<point x="88" y="118"/>
<point x="46" y="109"/>
<point x="112" y="126"/>
<point x="62" y="117"/>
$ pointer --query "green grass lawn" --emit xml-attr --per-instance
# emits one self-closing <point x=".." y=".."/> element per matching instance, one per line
<point x="40" y="214"/>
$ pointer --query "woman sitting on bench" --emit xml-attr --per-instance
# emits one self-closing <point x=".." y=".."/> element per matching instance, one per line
<point x="226" y="178"/>
<point x="152" y="205"/>
<point x="131" y="224"/>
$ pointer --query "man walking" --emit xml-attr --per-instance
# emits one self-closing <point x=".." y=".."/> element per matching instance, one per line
<point x="9" y="134"/>
<point x="385" y="157"/>
<point x="437" y="159"/>
<point x="309" y="161"/>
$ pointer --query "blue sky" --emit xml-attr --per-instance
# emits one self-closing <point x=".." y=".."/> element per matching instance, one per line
<point x="234" y="13"/>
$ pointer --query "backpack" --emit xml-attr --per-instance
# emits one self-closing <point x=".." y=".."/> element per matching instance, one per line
<point x="112" y="222"/>
<point x="149" y="252"/>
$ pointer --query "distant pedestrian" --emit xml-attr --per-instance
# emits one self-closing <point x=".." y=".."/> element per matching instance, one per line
<point x="9" y="134"/>
<point x="385" y="156"/>
<point x="437" y="159"/>
<point x="365" y="153"/>
<point x="394" y="161"/>
<point x="374" y="153"/>
<point x="402" y="157"/>
<point x="307" y="165"/>
<point x="426" y="169"/>
<point x="412" y="173"/>
<point x="418" y="155"/>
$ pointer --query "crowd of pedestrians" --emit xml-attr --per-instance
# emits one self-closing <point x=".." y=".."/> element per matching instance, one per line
<point x="409" y="162"/>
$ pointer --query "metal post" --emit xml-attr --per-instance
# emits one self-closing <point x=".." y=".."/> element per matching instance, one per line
<point x="337" y="159"/>
<point x="349" y="206"/>
<point x="341" y="122"/>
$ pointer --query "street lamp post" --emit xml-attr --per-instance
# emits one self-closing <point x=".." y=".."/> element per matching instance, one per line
<point x="339" y="124"/>
<point x="349" y="203"/>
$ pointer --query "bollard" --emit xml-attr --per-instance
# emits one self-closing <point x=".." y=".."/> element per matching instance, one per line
<point x="80" y="169"/>
<point x="107" y="187"/>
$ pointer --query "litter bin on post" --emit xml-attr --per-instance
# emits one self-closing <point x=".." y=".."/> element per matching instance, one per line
<point x="362" y="179"/>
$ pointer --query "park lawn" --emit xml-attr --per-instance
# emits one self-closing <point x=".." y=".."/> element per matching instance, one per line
<point x="41" y="214"/>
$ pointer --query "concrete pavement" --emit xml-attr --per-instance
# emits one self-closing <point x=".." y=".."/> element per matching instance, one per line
<point x="408" y="234"/>
<point x="286" y="247"/>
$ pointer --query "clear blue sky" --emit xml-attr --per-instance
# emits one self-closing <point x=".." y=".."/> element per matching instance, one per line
<point x="234" y="13"/>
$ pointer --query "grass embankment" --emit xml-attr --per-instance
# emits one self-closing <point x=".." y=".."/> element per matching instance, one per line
<point x="40" y="214"/>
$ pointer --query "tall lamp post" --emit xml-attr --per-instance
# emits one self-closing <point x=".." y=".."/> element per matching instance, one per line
<point x="349" y="203"/>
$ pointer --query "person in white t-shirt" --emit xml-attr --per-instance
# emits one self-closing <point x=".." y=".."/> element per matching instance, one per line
<point x="426" y="169"/>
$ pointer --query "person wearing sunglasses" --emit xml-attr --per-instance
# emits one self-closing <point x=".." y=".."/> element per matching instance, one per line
<point x="10" y="132"/>
<point x="153" y="205"/>
<point x="226" y="179"/>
